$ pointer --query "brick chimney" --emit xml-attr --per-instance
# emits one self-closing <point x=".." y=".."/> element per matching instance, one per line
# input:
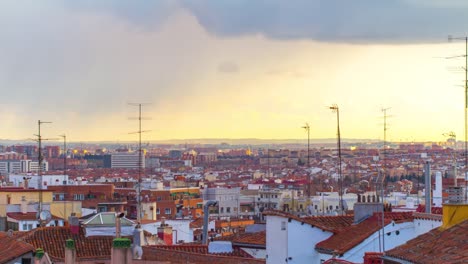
<point x="165" y="232"/>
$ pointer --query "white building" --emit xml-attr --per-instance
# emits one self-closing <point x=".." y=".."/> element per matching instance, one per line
<point x="18" y="180"/>
<point x="21" y="166"/>
<point x="293" y="239"/>
<point x="127" y="160"/>
<point x="228" y="200"/>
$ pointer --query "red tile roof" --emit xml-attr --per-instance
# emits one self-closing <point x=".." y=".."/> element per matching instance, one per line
<point x="436" y="246"/>
<point x="197" y="223"/>
<point x="257" y="239"/>
<point x="52" y="240"/>
<point x="348" y="238"/>
<point x="202" y="249"/>
<point x="12" y="248"/>
<point x="328" y="223"/>
<point x="28" y="216"/>
<point x="434" y="210"/>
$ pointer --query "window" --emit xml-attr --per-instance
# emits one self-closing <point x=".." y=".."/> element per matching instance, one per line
<point x="30" y="227"/>
<point x="283" y="225"/>
<point x="25" y="261"/>
<point x="78" y="197"/>
<point x="61" y="196"/>
<point x="158" y="211"/>
<point x="221" y="211"/>
<point x="158" y="198"/>
<point x="25" y="227"/>
<point x="228" y="210"/>
<point x="167" y="211"/>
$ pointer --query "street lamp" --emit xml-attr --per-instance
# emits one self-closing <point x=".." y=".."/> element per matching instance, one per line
<point x="336" y="109"/>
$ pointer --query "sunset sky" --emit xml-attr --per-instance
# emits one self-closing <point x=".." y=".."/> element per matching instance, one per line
<point x="231" y="69"/>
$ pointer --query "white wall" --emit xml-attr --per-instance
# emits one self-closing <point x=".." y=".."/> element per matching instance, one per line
<point x="296" y="242"/>
<point x="406" y="231"/>
<point x="256" y="252"/>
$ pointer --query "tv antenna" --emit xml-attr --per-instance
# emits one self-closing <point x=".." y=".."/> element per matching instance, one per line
<point x="64" y="173"/>
<point x="336" y="109"/>
<point x="465" y="38"/>
<point x="307" y="129"/>
<point x="43" y="216"/>
<point x="140" y="158"/>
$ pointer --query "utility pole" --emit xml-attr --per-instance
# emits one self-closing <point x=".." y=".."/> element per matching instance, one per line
<point x="465" y="38"/>
<point x="336" y="109"/>
<point x="140" y="161"/>
<point x="307" y="129"/>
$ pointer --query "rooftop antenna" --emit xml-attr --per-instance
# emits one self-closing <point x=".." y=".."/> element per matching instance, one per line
<point x="307" y="129"/>
<point x="43" y="216"/>
<point x="385" y="116"/>
<point x="140" y="159"/>
<point x="336" y="109"/>
<point x="64" y="173"/>
<point x="465" y="38"/>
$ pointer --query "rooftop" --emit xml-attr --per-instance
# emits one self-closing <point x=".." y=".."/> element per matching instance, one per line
<point x="327" y="223"/>
<point x="12" y="248"/>
<point x="436" y="246"/>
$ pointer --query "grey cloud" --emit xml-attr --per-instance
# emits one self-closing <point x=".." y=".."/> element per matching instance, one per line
<point x="358" y="21"/>
<point x="228" y="67"/>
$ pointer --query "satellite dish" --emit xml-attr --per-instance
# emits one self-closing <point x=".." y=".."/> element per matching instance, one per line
<point x="45" y="216"/>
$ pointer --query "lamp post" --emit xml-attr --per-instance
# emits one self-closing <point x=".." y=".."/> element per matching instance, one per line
<point x="336" y="109"/>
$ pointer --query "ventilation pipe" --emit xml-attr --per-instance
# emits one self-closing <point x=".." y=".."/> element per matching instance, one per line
<point x="427" y="176"/>
<point x="206" y="213"/>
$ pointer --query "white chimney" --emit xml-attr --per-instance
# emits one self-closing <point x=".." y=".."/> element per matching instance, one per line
<point x="437" y="197"/>
<point x="24" y="205"/>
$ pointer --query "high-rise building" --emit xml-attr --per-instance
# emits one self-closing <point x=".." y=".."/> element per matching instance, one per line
<point x="127" y="160"/>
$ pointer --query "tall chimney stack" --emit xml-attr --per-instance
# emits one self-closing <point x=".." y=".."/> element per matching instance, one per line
<point x="427" y="177"/>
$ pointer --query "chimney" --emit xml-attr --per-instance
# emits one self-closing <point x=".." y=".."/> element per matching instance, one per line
<point x="121" y="252"/>
<point x="70" y="251"/>
<point x="74" y="224"/>
<point x="165" y="232"/>
<point x="118" y="228"/>
<point x="138" y="240"/>
<point x="437" y="197"/>
<point x="24" y="205"/>
<point x="428" y="187"/>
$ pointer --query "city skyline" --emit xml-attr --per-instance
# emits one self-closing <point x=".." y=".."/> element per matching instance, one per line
<point x="221" y="70"/>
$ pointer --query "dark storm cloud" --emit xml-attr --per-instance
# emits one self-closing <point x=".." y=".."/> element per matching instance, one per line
<point x="358" y="21"/>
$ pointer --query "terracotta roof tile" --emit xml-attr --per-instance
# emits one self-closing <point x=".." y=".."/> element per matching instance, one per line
<point x="12" y="248"/>
<point x="28" y="216"/>
<point x="328" y="223"/>
<point x="436" y="246"/>
<point x="255" y="239"/>
<point x="202" y="249"/>
<point x="52" y="240"/>
<point x="351" y="236"/>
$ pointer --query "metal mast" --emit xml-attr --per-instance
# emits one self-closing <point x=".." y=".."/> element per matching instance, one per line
<point x="39" y="161"/>
<point x="307" y="128"/>
<point x="336" y="109"/>
<point x="64" y="173"/>
<point x="140" y="161"/>
<point x="385" y="116"/>
<point x="450" y="38"/>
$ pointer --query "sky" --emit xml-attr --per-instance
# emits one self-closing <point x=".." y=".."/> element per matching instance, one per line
<point x="231" y="69"/>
